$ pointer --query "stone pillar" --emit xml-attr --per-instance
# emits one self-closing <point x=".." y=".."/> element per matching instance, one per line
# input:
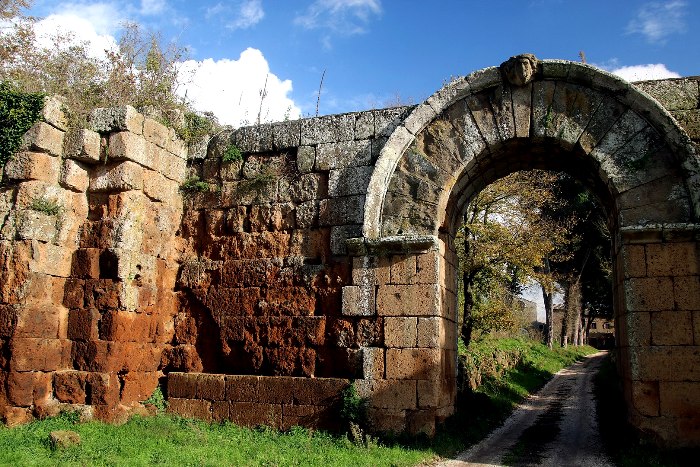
<point x="410" y="380"/>
<point x="658" y="322"/>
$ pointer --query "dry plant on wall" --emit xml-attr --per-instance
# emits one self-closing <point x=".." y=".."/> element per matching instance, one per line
<point x="141" y="71"/>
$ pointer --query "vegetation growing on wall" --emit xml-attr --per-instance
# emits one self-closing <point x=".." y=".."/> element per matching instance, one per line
<point x="18" y="112"/>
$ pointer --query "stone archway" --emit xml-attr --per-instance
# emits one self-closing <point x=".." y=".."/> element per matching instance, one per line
<point x="526" y="114"/>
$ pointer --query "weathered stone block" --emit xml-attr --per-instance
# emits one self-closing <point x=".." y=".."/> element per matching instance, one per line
<point x="686" y="291"/>
<point x="645" y="397"/>
<point x="400" y="331"/>
<point x="122" y="176"/>
<point x="387" y="420"/>
<point x="634" y="260"/>
<point x="107" y="120"/>
<point x="53" y="113"/>
<point x="182" y="385"/>
<point x="665" y="363"/>
<point x="70" y="386"/>
<point x="399" y="394"/>
<point x="342" y="211"/>
<point x="43" y="137"/>
<point x="33" y="354"/>
<point x="672" y="328"/>
<point x="422" y="364"/>
<point x="408" y="300"/>
<point x="349" y="181"/>
<point x="673" y="94"/>
<point x="82" y="324"/>
<point x="32" y="166"/>
<point x="211" y="387"/>
<point x="190" y="408"/>
<point x="74" y="176"/>
<point x="680" y="399"/>
<point x="83" y="145"/>
<point x="327" y="129"/>
<point x="339" y="234"/>
<point x="125" y="145"/>
<point x="254" y="414"/>
<point x="155" y="132"/>
<point x="286" y="134"/>
<point x="306" y="158"/>
<point x="44" y="321"/>
<point x="27" y="388"/>
<point x="429" y="393"/>
<point x="51" y="259"/>
<point x="341" y="155"/>
<point x="431" y="332"/>
<point x="689" y="120"/>
<point x="649" y="294"/>
<point x="138" y="386"/>
<point x="358" y="300"/>
<point x="373" y="363"/>
<point x="242" y="388"/>
<point x="421" y="422"/>
<point x="36" y="225"/>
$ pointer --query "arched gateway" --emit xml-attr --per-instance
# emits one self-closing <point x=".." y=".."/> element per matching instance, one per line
<point x="526" y="114"/>
<point x="257" y="291"/>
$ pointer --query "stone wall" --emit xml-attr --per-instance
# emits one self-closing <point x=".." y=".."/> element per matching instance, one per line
<point x="88" y="298"/>
<point x="259" y="290"/>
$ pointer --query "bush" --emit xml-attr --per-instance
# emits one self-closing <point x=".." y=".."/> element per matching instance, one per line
<point x="46" y="205"/>
<point x="18" y="112"/>
<point x="195" y="185"/>
<point x="157" y="400"/>
<point x="232" y="154"/>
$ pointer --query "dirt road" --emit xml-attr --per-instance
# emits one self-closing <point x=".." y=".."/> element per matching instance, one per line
<point x="555" y="427"/>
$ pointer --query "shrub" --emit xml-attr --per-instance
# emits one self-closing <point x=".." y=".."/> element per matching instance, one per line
<point x="195" y="128"/>
<point x="195" y="185"/>
<point x="232" y="154"/>
<point x="18" y="112"/>
<point x="157" y="399"/>
<point x="46" y="205"/>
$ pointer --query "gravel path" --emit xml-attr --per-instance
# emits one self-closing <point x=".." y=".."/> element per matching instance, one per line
<point x="555" y="427"/>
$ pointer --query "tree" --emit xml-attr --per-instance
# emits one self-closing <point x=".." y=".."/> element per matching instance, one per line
<point x="502" y="242"/>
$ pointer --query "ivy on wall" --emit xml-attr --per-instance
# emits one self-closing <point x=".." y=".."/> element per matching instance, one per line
<point x="18" y="112"/>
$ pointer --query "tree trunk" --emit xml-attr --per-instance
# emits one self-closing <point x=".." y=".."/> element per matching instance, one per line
<point x="566" y="317"/>
<point x="548" y="310"/>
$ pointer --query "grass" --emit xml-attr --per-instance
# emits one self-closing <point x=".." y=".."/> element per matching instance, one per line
<point x="170" y="440"/>
<point x="45" y="205"/>
<point x="624" y="445"/>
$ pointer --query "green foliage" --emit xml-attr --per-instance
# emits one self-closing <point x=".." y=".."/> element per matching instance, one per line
<point x="195" y="128"/>
<point x="195" y="185"/>
<point x="18" y="112"/>
<point x="170" y="440"/>
<point x="46" y="205"/>
<point x="232" y="154"/>
<point x="353" y="408"/>
<point x="157" y="400"/>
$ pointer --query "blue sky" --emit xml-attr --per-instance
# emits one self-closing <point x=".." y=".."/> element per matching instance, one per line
<point x="378" y="52"/>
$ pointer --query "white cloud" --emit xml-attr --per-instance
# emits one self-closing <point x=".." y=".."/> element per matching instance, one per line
<point x="152" y="7"/>
<point x="94" y="24"/>
<point x="245" y="14"/>
<point x="644" y="72"/>
<point x="231" y="89"/>
<point x="656" y="21"/>
<point x="345" y="17"/>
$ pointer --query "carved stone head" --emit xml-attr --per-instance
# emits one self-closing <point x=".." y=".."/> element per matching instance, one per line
<point x="519" y="70"/>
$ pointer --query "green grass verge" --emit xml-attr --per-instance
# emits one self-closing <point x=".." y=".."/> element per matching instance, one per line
<point x="168" y="440"/>
<point x="172" y="440"/>
<point x="624" y="445"/>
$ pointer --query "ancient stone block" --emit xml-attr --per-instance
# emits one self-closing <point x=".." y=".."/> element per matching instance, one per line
<point x="138" y="386"/>
<point x="429" y="393"/>
<point x="421" y="422"/>
<point x="400" y="331"/>
<point x="358" y="300"/>
<point x="182" y="385"/>
<point x="431" y="332"/>
<point x="341" y="155"/>
<point x="339" y="234"/>
<point x="341" y="211"/>
<point x="40" y="321"/>
<point x="388" y="420"/>
<point x="242" y="388"/>
<point x="32" y="166"/>
<point x="53" y="114"/>
<point x="671" y="328"/>
<point x="70" y="386"/>
<point x="413" y="364"/>
<point x="122" y="176"/>
<point x="306" y="158"/>
<point x="686" y="292"/>
<point x="258" y="138"/>
<point x="680" y="399"/>
<point x="211" y="387"/>
<point x="397" y="394"/>
<point x="634" y="260"/>
<point x="327" y="129"/>
<point x="254" y="414"/>
<point x="349" y="181"/>
<point x="74" y="176"/>
<point x="373" y="363"/>
<point x="190" y="408"/>
<point x="408" y="300"/>
<point x="689" y="120"/>
<point x="36" y="354"/>
<point x="83" y="145"/>
<point x="286" y="134"/>
<point x="672" y="94"/>
<point x="43" y="137"/>
<point x="155" y="132"/>
<point x="36" y="225"/>
<point x="665" y="363"/>
<point x="649" y="294"/>
<point x="107" y="120"/>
